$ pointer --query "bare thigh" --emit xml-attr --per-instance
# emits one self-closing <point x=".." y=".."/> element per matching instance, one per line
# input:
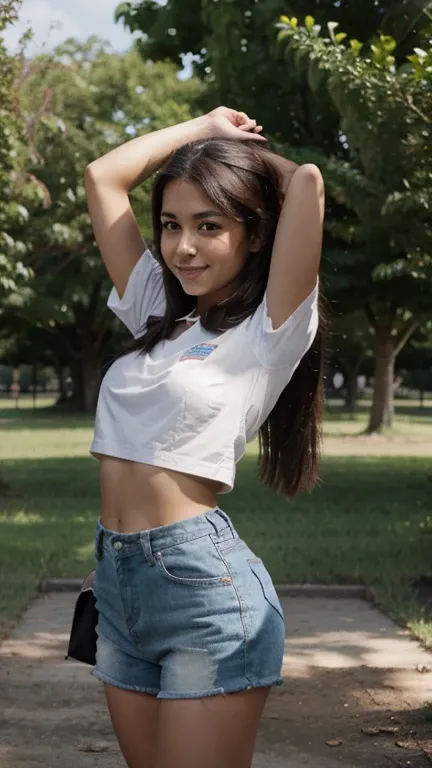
<point x="211" y="732"/>
<point x="134" y="717"/>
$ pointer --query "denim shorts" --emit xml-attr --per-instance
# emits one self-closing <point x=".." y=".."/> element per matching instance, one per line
<point x="185" y="611"/>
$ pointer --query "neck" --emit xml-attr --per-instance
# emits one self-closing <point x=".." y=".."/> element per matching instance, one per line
<point x="210" y="299"/>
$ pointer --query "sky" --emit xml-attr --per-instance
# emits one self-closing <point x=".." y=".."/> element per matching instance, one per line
<point x="71" y="18"/>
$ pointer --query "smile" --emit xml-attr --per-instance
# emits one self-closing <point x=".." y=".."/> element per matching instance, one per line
<point x="191" y="273"/>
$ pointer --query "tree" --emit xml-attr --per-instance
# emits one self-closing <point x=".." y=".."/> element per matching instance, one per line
<point x="385" y="113"/>
<point x="13" y="195"/>
<point x="236" y="56"/>
<point x="77" y="104"/>
<point x="14" y="190"/>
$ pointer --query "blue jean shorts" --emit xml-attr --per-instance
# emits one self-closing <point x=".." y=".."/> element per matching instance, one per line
<point x="185" y="611"/>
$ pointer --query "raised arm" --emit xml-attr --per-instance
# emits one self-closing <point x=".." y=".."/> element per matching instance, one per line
<point x="298" y="242"/>
<point x="108" y="182"/>
<point x="110" y="179"/>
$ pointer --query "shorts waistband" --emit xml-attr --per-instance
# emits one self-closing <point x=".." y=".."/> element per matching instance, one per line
<point x="157" y="539"/>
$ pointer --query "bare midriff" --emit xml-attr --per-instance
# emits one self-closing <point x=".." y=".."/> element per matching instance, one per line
<point x="136" y="497"/>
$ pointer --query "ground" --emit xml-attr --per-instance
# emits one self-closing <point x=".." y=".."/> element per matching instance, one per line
<point x="322" y="717"/>
<point x="338" y="691"/>
<point x="63" y="722"/>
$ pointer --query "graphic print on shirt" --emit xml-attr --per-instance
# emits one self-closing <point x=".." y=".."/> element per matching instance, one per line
<point x="198" y="352"/>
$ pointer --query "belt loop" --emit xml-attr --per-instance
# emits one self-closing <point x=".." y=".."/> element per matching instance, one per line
<point x="213" y="524"/>
<point x="225" y="517"/>
<point x="146" y="544"/>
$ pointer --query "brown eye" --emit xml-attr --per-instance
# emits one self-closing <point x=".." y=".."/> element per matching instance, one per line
<point x="211" y="226"/>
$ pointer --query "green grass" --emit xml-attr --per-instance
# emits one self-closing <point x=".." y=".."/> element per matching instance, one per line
<point x="369" y="521"/>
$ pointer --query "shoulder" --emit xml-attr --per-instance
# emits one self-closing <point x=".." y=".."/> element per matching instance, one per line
<point x="309" y="172"/>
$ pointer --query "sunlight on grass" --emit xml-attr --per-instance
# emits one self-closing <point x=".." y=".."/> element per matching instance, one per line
<point x="85" y="552"/>
<point x="25" y="403"/>
<point x="20" y="517"/>
<point x="50" y="443"/>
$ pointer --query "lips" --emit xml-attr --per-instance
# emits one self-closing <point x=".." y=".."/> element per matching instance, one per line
<point x="191" y="273"/>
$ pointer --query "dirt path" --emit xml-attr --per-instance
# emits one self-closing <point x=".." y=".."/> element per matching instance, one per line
<point x="348" y="670"/>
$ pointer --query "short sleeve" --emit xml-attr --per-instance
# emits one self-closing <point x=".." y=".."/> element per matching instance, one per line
<point x="285" y="346"/>
<point x="144" y="295"/>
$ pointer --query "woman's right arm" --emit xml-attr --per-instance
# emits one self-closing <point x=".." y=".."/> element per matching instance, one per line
<point x="108" y="182"/>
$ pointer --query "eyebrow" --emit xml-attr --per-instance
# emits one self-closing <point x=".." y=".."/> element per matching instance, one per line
<point x="201" y="215"/>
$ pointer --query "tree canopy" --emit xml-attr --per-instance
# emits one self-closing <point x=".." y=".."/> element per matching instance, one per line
<point x="386" y="181"/>
<point x="237" y="57"/>
<point x="76" y="104"/>
<point x="16" y="189"/>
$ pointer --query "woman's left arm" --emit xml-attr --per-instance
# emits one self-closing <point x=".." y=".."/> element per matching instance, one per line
<point x="297" y="247"/>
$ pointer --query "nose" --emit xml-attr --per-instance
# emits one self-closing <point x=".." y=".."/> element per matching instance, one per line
<point x="186" y="245"/>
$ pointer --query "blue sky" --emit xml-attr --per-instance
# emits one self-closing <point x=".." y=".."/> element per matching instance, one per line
<point x="71" y="18"/>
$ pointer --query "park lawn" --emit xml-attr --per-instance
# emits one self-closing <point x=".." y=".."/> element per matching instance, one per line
<point x="369" y="521"/>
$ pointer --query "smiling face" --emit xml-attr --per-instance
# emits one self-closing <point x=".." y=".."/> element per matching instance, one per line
<point x="203" y="248"/>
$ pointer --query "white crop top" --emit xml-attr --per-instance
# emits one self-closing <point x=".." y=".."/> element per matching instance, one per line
<point x="193" y="402"/>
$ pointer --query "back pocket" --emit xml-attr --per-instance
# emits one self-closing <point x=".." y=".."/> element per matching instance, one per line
<point x="260" y="571"/>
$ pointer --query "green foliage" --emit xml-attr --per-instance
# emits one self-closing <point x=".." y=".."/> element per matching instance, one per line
<point x="77" y="104"/>
<point x="386" y="115"/>
<point x="236" y="56"/>
<point x="169" y="34"/>
<point x="13" y="190"/>
<point x="89" y="100"/>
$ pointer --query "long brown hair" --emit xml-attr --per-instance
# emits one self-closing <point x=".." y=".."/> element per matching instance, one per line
<point x="242" y="183"/>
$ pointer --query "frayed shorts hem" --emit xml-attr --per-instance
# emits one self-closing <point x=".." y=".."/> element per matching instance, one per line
<point x="178" y="694"/>
<point x="216" y="691"/>
<point x="109" y="681"/>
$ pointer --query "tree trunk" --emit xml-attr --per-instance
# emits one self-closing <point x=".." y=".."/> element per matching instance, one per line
<point x="388" y="342"/>
<point x="351" y="392"/>
<point x="76" y="400"/>
<point x="350" y="372"/>
<point x="90" y="376"/>
<point x="381" y="415"/>
<point x="61" y="376"/>
<point x="90" y="345"/>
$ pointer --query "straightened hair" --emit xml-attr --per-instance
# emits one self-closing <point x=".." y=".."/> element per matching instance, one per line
<point x="242" y="183"/>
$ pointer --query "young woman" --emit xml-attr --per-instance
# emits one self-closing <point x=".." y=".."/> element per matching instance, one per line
<point x="226" y="345"/>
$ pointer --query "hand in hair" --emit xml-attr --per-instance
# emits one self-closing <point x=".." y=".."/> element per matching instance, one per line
<point x="231" y="124"/>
